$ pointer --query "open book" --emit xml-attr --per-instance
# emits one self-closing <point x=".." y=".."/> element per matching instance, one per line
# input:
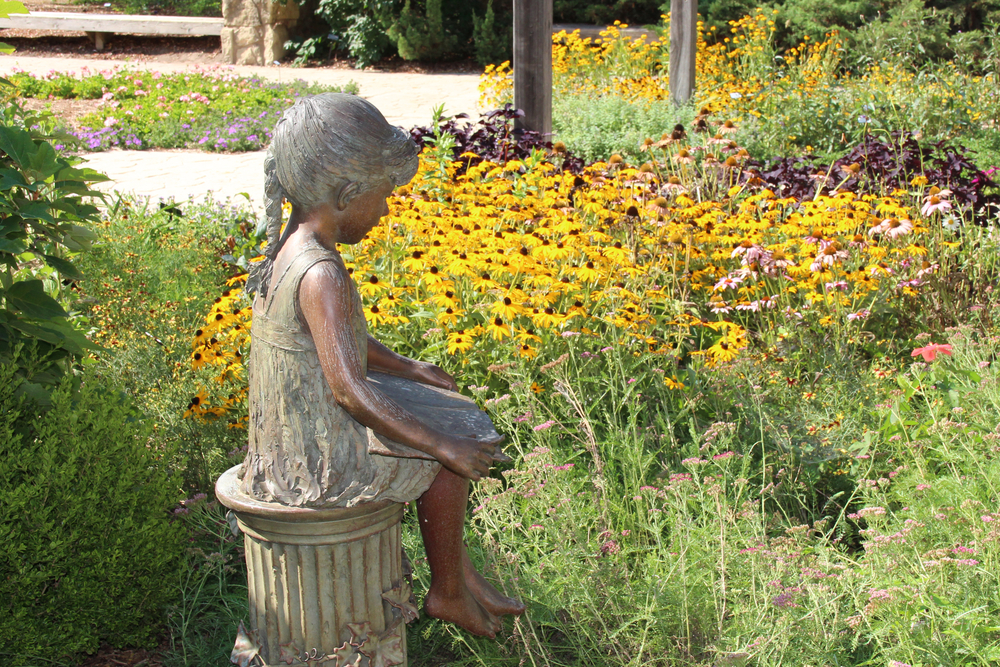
<point x="440" y="409"/>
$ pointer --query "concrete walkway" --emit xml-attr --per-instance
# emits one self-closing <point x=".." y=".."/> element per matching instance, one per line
<point x="406" y="99"/>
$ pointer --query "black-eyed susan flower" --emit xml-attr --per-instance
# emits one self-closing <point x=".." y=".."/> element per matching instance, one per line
<point x="459" y="341"/>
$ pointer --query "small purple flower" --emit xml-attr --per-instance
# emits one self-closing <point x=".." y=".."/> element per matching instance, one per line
<point x="784" y="601"/>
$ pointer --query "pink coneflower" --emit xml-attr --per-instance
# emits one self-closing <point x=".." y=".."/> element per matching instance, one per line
<point x="672" y="187"/>
<point x="683" y="156"/>
<point x="898" y="227"/>
<point x="927" y="268"/>
<point x="850" y="170"/>
<point x="779" y="259"/>
<point x="859" y="242"/>
<point x="728" y="283"/>
<point x="892" y="227"/>
<point x="935" y="202"/>
<point x="829" y="254"/>
<point x="720" y="306"/>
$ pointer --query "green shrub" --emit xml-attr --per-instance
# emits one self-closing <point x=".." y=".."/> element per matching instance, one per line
<point x="634" y="12"/>
<point x="88" y="552"/>
<point x="492" y="44"/>
<point x="422" y="37"/>
<point x="352" y="25"/>
<point x="594" y="128"/>
<point x="45" y="212"/>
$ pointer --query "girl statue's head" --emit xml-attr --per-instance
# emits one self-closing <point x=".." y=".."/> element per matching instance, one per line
<point x="321" y="145"/>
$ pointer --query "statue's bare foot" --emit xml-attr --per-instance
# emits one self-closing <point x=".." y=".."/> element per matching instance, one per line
<point x="463" y="610"/>
<point x="492" y="600"/>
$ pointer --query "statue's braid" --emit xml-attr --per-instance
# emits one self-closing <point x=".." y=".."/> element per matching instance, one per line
<point x="274" y="194"/>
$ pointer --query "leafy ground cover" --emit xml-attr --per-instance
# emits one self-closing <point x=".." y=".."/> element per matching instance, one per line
<point x="212" y="109"/>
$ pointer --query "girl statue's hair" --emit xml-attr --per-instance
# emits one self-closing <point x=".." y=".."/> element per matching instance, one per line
<point x="321" y="144"/>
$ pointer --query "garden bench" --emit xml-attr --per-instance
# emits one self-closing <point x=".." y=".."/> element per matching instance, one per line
<point x="99" y="26"/>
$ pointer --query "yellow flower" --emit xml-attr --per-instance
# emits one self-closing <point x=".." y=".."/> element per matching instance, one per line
<point x="527" y="351"/>
<point x="506" y="309"/>
<point x="459" y="341"/>
<point x="372" y="286"/>
<point x="673" y="383"/>
<point x="498" y="329"/>
<point x="450" y="316"/>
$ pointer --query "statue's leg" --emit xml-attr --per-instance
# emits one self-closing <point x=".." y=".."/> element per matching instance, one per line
<point x="492" y="600"/>
<point x="441" y="513"/>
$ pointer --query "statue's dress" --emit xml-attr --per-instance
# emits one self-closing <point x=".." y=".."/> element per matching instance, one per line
<point x="306" y="450"/>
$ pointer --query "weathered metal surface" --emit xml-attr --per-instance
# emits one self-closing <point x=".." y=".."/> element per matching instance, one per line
<point x="440" y="409"/>
<point x="326" y="586"/>
<point x="305" y="449"/>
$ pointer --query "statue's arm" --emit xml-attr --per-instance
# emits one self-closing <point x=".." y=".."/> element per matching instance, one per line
<point x="382" y="358"/>
<point x="325" y="302"/>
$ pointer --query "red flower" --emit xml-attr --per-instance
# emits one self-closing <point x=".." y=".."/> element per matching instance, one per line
<point x="930" y="352"/>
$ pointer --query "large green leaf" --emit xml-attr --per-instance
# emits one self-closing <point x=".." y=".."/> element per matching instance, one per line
<point x="9" y="227"/>
<point x="7" y="7"/>
<point x="29" y="297"/>
<point x="79" y="238"/>
<point x="41" y="333"/>
<point x="60" y="334"/>
<point x="81" y="174"/>
<point x="10" y="178"/>
<point x="66" y="268"/>
<point x="36" y="210"/>
<point x="18" y="144"/>
<point x="45" y="162"/>
<point x="13" y="246"/>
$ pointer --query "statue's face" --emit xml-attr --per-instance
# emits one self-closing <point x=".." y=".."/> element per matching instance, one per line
<point x="363" y="212"/>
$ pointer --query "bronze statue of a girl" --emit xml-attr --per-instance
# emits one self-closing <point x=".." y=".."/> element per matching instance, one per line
<point x="325" y="429"/>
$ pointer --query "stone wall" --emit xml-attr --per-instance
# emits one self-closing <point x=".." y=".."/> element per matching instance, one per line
<point x="255" y="30"/>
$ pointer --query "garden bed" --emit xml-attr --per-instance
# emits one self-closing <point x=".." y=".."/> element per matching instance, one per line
<point x="749" y="379"/>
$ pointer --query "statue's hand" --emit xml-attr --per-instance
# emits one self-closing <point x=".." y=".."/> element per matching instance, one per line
<point x="427" y="373"/>
<point x="468" y="457"/>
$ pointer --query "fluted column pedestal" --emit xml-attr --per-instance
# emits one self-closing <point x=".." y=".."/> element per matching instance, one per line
<point x="326" y="586"/>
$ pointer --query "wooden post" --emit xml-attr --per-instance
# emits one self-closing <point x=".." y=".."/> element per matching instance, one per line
<point x="683" y="47"/>
<point x="533" y="64"/>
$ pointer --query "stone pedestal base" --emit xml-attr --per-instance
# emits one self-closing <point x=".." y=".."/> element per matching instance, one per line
<point x="327" y="586"/>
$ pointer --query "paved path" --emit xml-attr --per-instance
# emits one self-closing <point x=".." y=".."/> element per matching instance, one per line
<point x="406" y="99"/>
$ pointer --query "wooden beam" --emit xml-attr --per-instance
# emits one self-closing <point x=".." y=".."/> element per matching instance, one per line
<point x="533" y="64"/>
<point x="683" y="48"/>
